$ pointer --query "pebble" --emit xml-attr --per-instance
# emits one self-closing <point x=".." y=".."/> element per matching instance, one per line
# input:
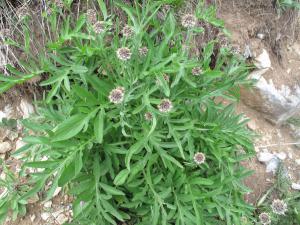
<point x="295" y="186"/>
<point x="261" y="36"/>
<point x="61" y="219"/>
<point x="5" y="147"/>
<point x="251" y="125"/>
<point x="263" y="60"/>
<point x="281" y="155"/>
<point x="48" y="204"/>
<point x="290" y="155"/>
<point x="45" y="216"/>
<point x="12" y="135"/>
<point x="264" y="156"/>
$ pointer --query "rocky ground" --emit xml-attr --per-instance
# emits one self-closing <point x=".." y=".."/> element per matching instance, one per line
<point x="275" y="96"/>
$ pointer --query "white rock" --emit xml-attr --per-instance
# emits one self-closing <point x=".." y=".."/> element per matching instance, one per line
<point x="48" y="204"/>
<point x="12" y="135"/>
<point x="260" y="36"/>
<point x="6" y="113"/>
<point x="281" y="155"/>
<point x="263" y="60"/>
<point x="57" y="213"/>
<point x="290" y="155"/>
<point x="295" y="186"/>
<point x="61" y="219"/>
<point x="20" y="143"/>
<point x="272" y="165"/>
<point x="5" y="147"/>
<point x="45" y="216"/>
<point x="297" y="161"/>
<point x="264" y="156"/>
<point x="26" y="108"/>
<point x="251" y="125"/>
<point x="32" y="217"/>
<point x="57" y="191"/>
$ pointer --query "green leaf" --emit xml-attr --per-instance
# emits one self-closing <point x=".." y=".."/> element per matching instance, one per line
<point x="99" y="126"/>
<point x="133" y="150"/>
<point x="69" y="128"/>
<point x="201" y="181"/>
<point x="121" y="177"/>
<point x="111" y="190"/>
<point x="42" y="164"/>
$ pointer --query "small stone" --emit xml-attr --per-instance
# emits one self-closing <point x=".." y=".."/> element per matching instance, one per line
<point x="12" y="135"/>
<point x="5" y="147"/>
<point x="272" y="165"/>
<point x="251" y="125"/>
<point x="264" y="157"/>
<point x="290" y="155"/>
<point x="45" y="216"/>
<point x="297" y="161"/>
<point x="261" y="36"/>
<point x="295" y="186"/>
<point x="26" y="108"/>
<point x="57" y="213"/>
<point x="256" y="149"/>
<point x="263" y="60"/>
<point x="32" y="217"/>
<point x="61" y="219"/>
<point x="48" y="204"/>
<point x="281" y="155"/>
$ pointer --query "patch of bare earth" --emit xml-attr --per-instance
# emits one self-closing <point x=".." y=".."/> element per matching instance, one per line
<point x="258" y="25"/>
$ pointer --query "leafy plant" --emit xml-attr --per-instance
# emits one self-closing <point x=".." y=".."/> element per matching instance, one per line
<point x="121" y="130"/>
<point x="287" y="4"/>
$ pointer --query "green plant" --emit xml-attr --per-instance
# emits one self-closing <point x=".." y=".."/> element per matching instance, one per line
<point x="120" y="128"/>
<point x="287" y="4"/>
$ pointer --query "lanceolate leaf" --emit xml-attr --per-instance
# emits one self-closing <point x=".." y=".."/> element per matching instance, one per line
<point x="70" y="127"/>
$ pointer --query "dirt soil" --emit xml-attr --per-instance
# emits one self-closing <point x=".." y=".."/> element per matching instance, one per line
<point x="257" y="24"/>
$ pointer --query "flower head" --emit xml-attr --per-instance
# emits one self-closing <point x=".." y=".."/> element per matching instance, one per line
<point x="148" y="116"/>
<point x="165" y="106"/>
<point x="116" y="95"/>
<point x="124" y="53"/>
<point x="196" y="71"/>
<point x="143" y="51"/>
<point x="279" y="207"/>
<point x="188" y="20"/>
<point x="98" y="27"/>
<point x="199" y="158"/>
<point x="264" y="218"/>
<point x="91" y="16"/>
<point x="127" y="31"/>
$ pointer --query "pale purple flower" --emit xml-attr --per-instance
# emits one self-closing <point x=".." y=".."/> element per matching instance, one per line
<point x="143" y="51"/>
<point x="148" y="116"/>
<point x="196" y="71"/>
<point x="91" y="16"/>
<point x="188" y="21"/>
<point x="165" y="106"/>
<point x="99" y="27"/>
<point x="199" y="158"/>
<point x="127" y="31"/>
<point x="116" y="95"/>
<point x="264" y="218"/>
<point x="124" y="53"/>
<point x="279" y="207"/>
